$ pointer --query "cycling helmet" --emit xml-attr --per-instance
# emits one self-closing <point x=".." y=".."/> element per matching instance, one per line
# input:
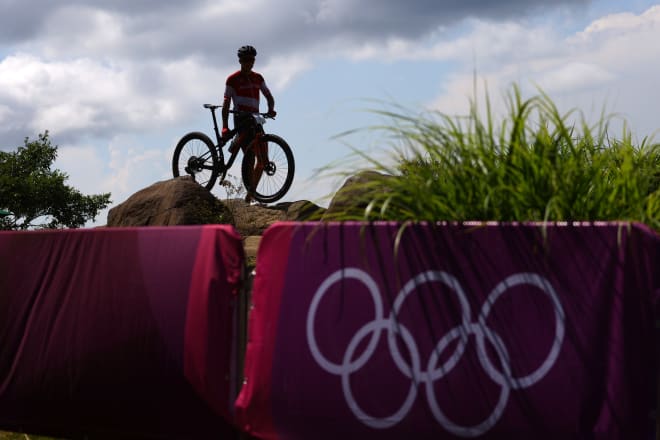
<point x="247" y="51"/>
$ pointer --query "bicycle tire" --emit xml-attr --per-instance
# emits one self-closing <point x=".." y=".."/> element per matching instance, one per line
<point x="277" y="177"/>
<point x="187" y="154"/>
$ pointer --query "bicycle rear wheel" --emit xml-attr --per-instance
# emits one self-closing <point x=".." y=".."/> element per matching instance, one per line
<point x="195" y="155"/>
<point x="274" y="180"/>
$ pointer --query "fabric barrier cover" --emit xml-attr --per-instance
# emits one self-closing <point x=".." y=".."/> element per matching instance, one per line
<point x="452" y="331"/>
<point x="119" y="333"/>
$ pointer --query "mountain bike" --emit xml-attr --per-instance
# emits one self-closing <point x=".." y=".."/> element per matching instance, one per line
<point x="267" y="168"/>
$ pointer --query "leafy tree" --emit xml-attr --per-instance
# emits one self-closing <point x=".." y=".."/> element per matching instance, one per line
<point x="36" y="196"/>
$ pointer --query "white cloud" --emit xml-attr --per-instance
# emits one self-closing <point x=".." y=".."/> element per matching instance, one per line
<point x="574" y="76"/>
<point x="103" y="33"/>
<point x="487" y="42"/>
<point x="150" y="30"/>
<point x="131" y="164"/>
<point x="85" y="168"/>
<point x="116" y="73"/>
<point x="226" y="9"/>
<point x="5" y="113"/>
<point x="611" y="63"/>
<point x="84" y="97"/>
<point x="281" y="71"/>
<point x="621" y="23"/>
<point x="126" y="66"/>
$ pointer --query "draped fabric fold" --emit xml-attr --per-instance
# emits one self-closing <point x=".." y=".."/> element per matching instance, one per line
<point x="445" y="331"/>
<point x="107" y="332"/>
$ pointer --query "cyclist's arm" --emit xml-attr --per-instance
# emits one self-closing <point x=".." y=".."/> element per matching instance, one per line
<point x="271" y="102"/>
<point x="269" y="97"/>
<point x="229" y="94"/>
<point x="225" y="112"/>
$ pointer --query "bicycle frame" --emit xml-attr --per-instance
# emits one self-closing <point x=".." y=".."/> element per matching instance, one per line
<point x="267" y="166"/>
<point x="220" y="142"/>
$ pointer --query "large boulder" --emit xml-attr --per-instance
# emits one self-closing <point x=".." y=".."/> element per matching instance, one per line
<point x="254" y="219"/>
<point x="178" y="201"/>
<point x="300" y="211"/>
<point x="181" y="201"/>
<point x="355" y="195"/>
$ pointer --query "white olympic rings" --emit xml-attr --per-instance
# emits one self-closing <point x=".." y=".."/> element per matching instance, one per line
<point x="433" y="372"/>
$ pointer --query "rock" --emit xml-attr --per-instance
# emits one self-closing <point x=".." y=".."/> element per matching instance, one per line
<point x="304" y="210"/>
<point x="355" y="194"/>
<point x="254" y="219"/>
<point x="178" y="201"/>
<point x="181" y="201"/>
<point x="300" y="211"/>
<point x="251" y="246"/>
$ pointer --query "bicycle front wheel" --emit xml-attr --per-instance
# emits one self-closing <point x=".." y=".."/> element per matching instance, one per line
<point x="195" y="155"/>
<point x="268" y="169"/>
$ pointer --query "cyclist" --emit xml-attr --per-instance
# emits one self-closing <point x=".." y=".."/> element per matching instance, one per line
<point x="243" y="87"/>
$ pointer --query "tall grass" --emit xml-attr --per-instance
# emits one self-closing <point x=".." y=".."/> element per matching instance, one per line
<point x="535" y="165"/>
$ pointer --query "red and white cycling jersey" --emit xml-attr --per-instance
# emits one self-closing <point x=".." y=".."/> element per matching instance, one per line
<point x="244" y="90"/>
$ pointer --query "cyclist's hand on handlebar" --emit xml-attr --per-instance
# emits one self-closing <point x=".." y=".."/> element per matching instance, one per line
<point x="271" y="113"/>
<point x="225" y="133"/>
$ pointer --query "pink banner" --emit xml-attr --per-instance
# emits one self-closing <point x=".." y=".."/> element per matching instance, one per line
<point x="452" y="331"/>
<point x="120" y="333"/>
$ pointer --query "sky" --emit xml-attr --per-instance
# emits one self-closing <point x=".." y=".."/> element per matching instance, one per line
<point x="117" y="82"/>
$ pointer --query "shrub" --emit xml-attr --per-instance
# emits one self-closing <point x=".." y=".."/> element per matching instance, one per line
<point x="536" y="165"/>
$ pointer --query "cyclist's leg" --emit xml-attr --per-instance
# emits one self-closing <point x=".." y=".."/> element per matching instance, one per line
<point x="237" y="142"/>
<point x="261" y="153"/>
<point x="241" y="138"/>
<point x="260" y="150"/>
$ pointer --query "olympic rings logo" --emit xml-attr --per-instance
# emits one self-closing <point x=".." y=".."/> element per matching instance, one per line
<point x="433" y="371"/>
